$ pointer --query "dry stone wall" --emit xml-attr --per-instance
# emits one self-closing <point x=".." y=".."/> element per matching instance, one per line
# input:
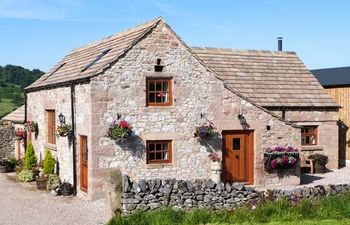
<point x="7" y="141"/>
<point x="199" y="194"/>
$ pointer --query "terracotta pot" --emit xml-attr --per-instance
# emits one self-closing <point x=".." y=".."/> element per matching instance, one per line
<point x="320" y="168"/>
<point x="41" y="183"/>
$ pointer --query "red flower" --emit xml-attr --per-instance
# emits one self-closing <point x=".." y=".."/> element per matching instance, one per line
<point x="123" y="124"/>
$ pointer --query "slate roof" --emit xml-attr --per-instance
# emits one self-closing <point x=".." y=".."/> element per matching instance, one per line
<point x="71" y="67"/>
<point x="268" y="78"/>
<point x="333" y="76"/>
<point x="16" y="116"/>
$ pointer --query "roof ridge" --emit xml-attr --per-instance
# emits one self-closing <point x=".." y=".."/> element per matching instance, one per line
<point x="332" y="68"/>
<point x="120" y="33"/>
<point x="244" y="50"/>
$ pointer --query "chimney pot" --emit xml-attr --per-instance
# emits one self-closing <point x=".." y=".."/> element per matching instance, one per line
<point x="280" y="39"/>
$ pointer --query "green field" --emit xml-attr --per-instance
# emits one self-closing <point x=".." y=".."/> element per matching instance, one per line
<point x="332" y="210"/>
<point x="6" y="106"/>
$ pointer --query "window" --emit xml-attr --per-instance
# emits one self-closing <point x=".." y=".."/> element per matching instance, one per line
<point x="159" y="92"/>
<point x="51" y="127"/>
<point x="309" y="135"/>
<point x="158" y="152"/>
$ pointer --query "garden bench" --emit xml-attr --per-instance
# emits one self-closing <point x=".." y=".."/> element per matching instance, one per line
<point x="307" y="163"/>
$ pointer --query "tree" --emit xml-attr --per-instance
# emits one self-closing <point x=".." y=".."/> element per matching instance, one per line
<point x="18" y="99"/>
<point x="30" y="159"/>
<point x="48" y="163"/>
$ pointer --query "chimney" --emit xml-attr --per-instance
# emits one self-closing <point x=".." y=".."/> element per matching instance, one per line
<point x="280" y="43"/>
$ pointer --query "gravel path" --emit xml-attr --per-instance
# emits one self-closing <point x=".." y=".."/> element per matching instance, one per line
<point x="23" y="204"/>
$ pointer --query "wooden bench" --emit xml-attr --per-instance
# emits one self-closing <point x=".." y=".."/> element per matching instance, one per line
<point x="307" y="163"/>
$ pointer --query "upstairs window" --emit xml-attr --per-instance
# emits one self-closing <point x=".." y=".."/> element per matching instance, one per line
<point x="159" y="92"/>
<point x="309" y="135"/>
<point x="51" y="126"/>
<point x="158" y="152"/>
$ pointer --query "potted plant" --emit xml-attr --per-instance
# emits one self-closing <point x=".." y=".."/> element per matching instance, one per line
<point x="280" y="158"/>
<point x="3" y="167"/>
<point x="119" y="131"/>
<point x="20" y="134"/>
<point x="66" y="188"/>
<point x="64" y="130"/>
<point x="26" y="176"/>
<point x="48" y="168"/>
<point x="205" y="130"/>
<point x="320" y="162"/>
<point x="215" y="166"/>
<point x="53" y="182"/>
<point x="32" y="126"/>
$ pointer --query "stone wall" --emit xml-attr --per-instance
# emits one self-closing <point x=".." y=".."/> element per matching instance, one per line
<point x="328" y="129"/>
<point x="7" y="142"/>
<point x="121" y="89"/>
<point x="58" y="99"/>
<point x="156" y="193"/>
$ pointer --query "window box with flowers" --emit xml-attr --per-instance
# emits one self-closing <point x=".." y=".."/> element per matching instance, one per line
<point x="119" y="130"/>
<point x="205" y="130"/>
<point x="280" y="158"/>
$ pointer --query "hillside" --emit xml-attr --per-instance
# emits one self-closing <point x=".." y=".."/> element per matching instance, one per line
<point x="13" y="79"/>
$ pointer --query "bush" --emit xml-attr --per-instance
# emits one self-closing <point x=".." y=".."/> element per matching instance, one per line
<point x="26" y="176"/>
<point x="48" y="163"/>
<point x="20" y="166"/>
<point x="319" y="159"/>
<point x="30" y="160"/>
<point x="11" y="164"/>
<point x="53" y="182"/>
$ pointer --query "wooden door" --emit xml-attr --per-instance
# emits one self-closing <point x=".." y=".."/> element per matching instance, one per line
<point x="238" y="160"/>
<point x="83" y="163"/>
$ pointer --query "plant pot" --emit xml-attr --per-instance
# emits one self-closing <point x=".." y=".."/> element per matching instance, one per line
<point x="320" y="168"/>
<point x="41" y="183"/>
<point x="216" y="171"/>
<point x="3" y="169"/>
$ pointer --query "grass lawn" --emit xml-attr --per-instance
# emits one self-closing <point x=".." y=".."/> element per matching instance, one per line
<point x="6" y="106"/>
<point x="332" y="210"/>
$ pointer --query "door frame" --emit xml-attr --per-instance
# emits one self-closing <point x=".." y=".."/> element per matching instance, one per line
<point x="85" y="189"/>
<point x="250" y="157"/>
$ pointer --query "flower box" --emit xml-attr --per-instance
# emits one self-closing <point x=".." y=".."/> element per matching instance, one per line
<point x="280" y="158"/>
<point x="20" y="134"/>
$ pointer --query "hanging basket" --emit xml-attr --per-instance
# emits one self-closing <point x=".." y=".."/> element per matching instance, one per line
<point x="280" y="158"/>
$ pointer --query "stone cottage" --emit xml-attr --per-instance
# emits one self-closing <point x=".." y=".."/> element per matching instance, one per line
<point x="165" y="89"/>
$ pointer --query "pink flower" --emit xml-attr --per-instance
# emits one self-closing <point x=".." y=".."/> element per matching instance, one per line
<point x="273" y="163"/>
<point x="285" y="159"/>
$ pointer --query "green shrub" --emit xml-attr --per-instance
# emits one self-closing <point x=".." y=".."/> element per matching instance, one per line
<point x="30" y="159"/>
<point x="11" y="164"/>
<point x="26" y="176"/>
<point x="53" y="182"/>
<point x="48" y="163"/>
<point x="20" y="166"/>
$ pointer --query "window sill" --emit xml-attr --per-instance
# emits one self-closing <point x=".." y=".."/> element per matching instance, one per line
<point x="157" y="166"/>
<point x="160" y="107"/>
<point x="311" y="148"/>
<point x="50" y="146"/>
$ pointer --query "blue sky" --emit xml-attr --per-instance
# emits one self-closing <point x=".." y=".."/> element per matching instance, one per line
<point x="37" y="33"/>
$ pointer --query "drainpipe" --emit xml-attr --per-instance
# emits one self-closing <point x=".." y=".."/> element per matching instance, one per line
<point x="25" y="119"/>
<point x="72" y="100"/>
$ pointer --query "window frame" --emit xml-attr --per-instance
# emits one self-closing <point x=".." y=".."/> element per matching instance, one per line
<point x="170" y="91"/>
<point x="315" y="133"/>
<point x="155" y="161"/>
<point x="51" y="125"/>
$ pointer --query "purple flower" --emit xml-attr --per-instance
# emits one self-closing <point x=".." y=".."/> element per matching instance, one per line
<point x="285" y="159"/>
<point x="273" y="163"/>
